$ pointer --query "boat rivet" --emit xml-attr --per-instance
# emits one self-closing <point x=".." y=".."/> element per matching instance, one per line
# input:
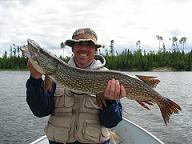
<point x="125" y="129"/>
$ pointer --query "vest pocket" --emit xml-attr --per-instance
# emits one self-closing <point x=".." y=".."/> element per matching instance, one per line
<point x="58" y="97"/>
<point x="63" y="100"/>
<point x="68" y="98"/>
<point x="91" y="130"/>
<point x="56" y="133"/>
<point x="90" y="102"/>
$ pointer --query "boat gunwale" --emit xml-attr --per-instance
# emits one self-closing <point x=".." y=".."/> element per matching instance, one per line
<point x="146" y="131"/>
<point x="39" y="139"/>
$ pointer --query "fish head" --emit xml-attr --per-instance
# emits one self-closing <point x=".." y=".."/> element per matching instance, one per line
<point x="30" y="55"/>
<point x="42" y="60"/>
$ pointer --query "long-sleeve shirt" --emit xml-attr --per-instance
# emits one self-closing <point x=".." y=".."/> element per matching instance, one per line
<point x="41" y="103"/>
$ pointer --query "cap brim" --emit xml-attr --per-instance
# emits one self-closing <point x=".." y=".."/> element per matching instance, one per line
<point x="71" y="42"/>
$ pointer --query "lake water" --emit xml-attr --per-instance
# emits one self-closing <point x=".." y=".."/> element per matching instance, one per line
<point x="19" y="126"/>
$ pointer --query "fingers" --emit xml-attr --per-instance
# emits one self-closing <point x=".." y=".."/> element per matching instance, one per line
<point x="123" y="92"/>
<point x="114" y="90"/>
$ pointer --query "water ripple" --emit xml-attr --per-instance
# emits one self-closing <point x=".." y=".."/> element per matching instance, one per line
<point x="19" y="126"/>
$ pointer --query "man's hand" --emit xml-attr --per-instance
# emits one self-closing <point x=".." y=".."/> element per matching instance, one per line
<point x="34" y="73"/>
<point x="114" y="90"/>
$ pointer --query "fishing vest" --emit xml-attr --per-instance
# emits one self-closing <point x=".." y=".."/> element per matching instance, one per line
<point x="75" y="118"/>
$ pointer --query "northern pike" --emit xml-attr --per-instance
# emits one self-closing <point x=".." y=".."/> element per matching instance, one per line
<point x="94" y="82"/>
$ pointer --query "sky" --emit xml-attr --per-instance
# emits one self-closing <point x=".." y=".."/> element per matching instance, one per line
<point x="50" y="22"/>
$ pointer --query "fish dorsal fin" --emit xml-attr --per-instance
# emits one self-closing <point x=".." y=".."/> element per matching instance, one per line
<point x="150" y="80"/>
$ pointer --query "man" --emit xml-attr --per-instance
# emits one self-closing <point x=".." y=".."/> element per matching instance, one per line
<point x="75" y="117"/>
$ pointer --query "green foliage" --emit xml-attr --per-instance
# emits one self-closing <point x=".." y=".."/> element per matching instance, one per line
<point x="13" y="63"/>
<point x="13" y="59"/>
<point x="142" y="61"/>
<point x="127" y="60"/>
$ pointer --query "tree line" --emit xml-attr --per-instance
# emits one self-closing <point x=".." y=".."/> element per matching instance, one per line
<point x="138" y="60"/>
<point x="13" y="60"/>
<point x="174" y="59"/>
<point x="148" y="61"/>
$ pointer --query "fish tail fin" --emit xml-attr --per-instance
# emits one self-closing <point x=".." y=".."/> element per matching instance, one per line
<point x="168" y="107"/>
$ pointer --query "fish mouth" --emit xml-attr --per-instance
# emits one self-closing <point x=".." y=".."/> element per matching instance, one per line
<point x="25" y="51"/>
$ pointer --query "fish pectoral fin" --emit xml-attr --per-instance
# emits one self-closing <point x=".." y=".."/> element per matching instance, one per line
<point x="47" y="83"/>
<point x="145" y="103"/>
<point x="150" y="80"/>
<point x="100" y="101"/>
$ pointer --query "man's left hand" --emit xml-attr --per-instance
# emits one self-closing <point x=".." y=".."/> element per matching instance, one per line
<point x="114" y="90"/>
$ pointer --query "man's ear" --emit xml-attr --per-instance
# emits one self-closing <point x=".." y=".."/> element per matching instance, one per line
<point x="96" y="50"/>
<point x="72" y="49"/>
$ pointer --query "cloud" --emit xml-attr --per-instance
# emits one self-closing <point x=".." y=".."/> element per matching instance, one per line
<point x="13" y="3"/>
<point x="51" y="22"/>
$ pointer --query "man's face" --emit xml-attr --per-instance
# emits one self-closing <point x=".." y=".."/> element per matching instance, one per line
<point x="84" y="53"/>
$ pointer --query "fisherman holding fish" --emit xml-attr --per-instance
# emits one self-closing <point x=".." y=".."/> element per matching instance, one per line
<point x="75" y="117"/>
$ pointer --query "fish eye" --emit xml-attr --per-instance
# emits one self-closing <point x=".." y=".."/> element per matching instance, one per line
<point x="40" y="50"/>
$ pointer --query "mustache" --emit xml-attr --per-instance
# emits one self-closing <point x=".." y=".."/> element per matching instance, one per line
<point x="82" y="51"/>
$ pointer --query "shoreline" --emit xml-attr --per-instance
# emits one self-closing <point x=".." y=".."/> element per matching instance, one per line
<point x="124" y="70"/>
<point x="14" y="70"/>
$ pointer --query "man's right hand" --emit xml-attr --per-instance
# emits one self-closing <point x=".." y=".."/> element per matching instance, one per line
<point x="34" y="73"/>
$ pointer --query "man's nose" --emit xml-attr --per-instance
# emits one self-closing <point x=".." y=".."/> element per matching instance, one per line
<point x="83" y="47"/>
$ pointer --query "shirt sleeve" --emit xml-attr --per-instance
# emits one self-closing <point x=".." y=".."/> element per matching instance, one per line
<point x="111" y="115"/>
<point x="39" y="100"/>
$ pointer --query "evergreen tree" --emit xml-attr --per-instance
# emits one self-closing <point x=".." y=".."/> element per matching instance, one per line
<point x="112" y="48"/>
<point x="159" y="38"/>
<point x="182" y="41"/>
